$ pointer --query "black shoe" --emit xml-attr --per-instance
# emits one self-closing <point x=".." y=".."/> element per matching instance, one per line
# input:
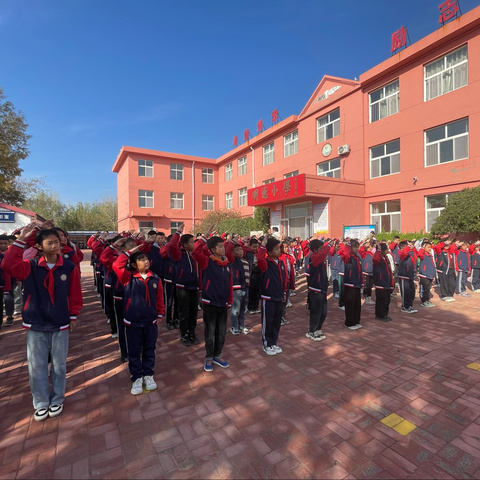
<point x="176" y="323"/>
<point x="194" y="340"/>
<point x="9" y="321"/>
<point x="383" y="319"/>
<point x="123" y="359"/>
<point x="185" y="340"/>
<point x="170" y="326"/>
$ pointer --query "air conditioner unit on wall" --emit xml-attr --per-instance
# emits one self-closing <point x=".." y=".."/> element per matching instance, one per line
<point x="343" y="149"/>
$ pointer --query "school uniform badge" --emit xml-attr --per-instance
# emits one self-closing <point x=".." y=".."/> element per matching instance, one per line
<point x="63" y="277"/>
<point x="154" y="285"/>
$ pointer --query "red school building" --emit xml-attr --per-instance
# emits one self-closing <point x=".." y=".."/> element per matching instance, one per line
<point x="387" y="149"/>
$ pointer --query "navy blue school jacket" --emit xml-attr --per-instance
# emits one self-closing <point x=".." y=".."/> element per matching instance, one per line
<point x="382" y="272"/>
<point x="274" y="278"/>
<point x="352" y="276"/>
<point x="427" y="267"/>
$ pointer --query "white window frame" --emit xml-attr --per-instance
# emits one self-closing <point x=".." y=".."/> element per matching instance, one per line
<point x="229" y="200"/>
<point x="174" y="226"/>
<point x="269" y="154"/>
<point x="146" y="166"/>
<point x="385" y="213"/>
<point x="207" y="175"/>
<point x="391" y="156"/>
<point x="436" y="144"/>
<point x="334" y="171"/>
<point x="290" y="144"/>
<point x="331" y="119"/>
<point x="388" y="103"/>
<point x="458" y="78"/>
<point x="242" y="197"/>
<point x="268" y="180"/>
<point x="176" y="169"/>
<point x="145" y="226"/>
<point x="242" y="166"/>
<point x="176" y="201"/>
<point x="439" y="210"/>
<point x="291" y="174"/>
<point x="147" y="198"/>
<point x="228" y="172"/>
<point x="208" y="203"/>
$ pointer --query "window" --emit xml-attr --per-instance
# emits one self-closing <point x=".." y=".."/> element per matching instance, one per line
<point x="446" y="74"/>
<point x="242" y="197"/>
<point x="385" y="159"/>
<point x="270" y="180"/>
<point x="328" y="126"/>
<point x="384" y="101"/>
<point x="145" y="225"/>
<point x="385" y="216"/>
<point x="290" y="144"/>
<point x="145" y="168"/>
<point x="207" y="202"/>
<point x="446" y="143"/>
<point x="176" y="171"/>
<point x="242" y="166"/>
<point x="207" y="175"/>
<point x="291" y="174"/>
<point x="145" y="198"/>
<point x="176" y="201"/>
<point x="329" y="169"/>
<point x="174" y="226"/>
<point x="229" y="200"/>
<point x="434" y="206"/>
<point x="228" y="172"/>
<point x="268" y="154"/>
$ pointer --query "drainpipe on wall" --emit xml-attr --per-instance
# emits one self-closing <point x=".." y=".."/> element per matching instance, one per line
<point x="253" y="171"/>
<point x="193" y="194"/>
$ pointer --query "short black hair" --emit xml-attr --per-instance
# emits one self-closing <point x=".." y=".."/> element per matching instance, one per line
<point x="43" y="234"/>
<point x="185" y="239"/>
<point x="237" y="245"/>
<point x="212" y="242"/>
<point x="315" y="244"/>
<point x="134" y="257"/>
<point x="160" y="233"/>
<point x="402" y="244"/>
<point x="152" y="232"/>
<point x="354" y="243"/>
<point x="272" y="242"/>
<point x="253" y="241"/>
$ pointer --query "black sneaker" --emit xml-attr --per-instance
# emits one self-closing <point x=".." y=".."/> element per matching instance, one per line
<point x="185" y="340"/>
<point x="383" y="319"/>
<point x="194" y="340"/>
<point x="9" y="322"/>
<point x="176" y="323"/>
<point x="123" y="358"/>
<point x="170" y="326"/>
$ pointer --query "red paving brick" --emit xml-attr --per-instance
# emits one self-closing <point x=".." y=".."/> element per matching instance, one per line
<point x="312" y="412"/>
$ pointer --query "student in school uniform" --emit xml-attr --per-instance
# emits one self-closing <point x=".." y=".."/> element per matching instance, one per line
<point x="426" y="273"/>
<point x="384" y="281"/>
<point x="366" y="252"/>
<point x="317" y="289"/>
<point x="52" y="300"/>
<point x="217" y="296"/>
<point x="143" y="307"/>
<point x="274" y="292"/>
<point x="474" y="250"/>
<point x="462" y="269"/>
<point x="445" y="263"/>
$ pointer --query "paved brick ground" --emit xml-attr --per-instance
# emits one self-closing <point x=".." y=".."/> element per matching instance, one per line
<point x="314" y="411"/>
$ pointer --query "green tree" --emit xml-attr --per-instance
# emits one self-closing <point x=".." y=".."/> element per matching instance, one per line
<point x="461" y="214"/>
<point x="13" y="149"/>
<point x="45" y="203"/>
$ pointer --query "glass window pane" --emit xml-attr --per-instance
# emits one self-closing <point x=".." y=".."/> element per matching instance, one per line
<point x="446" y="151"/>
<point x="436" y="201"/>
<point x="393" y="206"/>
<point x="335" y="163"/>
<point x="395" y="163"/>
<point x="391" y="147"/>
<point x="457" y="128"/>
<point x="375" y="168"/>
<point x="377" y="151"/>
<point x="385" y="166"/>
<point x="375" y="96"/>
<point x="432" y="155"/>
<point x="461" y="147"/>
<point x="435" y="134"/>
<point x="334" y="115"/>
<point x="395" y="222"/>
<point x="386" y="223"/>
<point x="378" y="207"/>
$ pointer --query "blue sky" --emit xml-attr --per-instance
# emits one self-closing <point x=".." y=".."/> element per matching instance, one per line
<point x="178" y="76"/>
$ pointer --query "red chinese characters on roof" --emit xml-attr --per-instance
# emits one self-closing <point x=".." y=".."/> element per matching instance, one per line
<point x="399" y="39"/>
<point x="288" y="188"/>
<point x="235" y="141"/>
<point x="448" y="10"/>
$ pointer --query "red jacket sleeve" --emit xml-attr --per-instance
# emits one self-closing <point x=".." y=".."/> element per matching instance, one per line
<point x="160" y="301"/>
<point x="98" y="247"/>
<point x="377" y="256"/>
<point x="119" y="267"/>
<point x="403" y="254"/>
<point x="344" y="252"/>
<point x="362" y="251"/>
<point x="199" y="253"/>
<point x="261" y="258"/>
<point x="229" y="251"/>
<point x="421" y="254"/>
<point x="108" y="256"/>
<point x="318" y="258"/>
<point x="75" y="299"/>
<point x="173" y="247"/>
<point x="13" y="263"/>
<point x="78" y="252"/>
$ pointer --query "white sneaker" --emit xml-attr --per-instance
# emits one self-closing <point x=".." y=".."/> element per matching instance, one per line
<point x="269" y="350"/>
<point x="353" y="327"/>
<point x="311" y="336"/>
<point x="358" y="326"/>
<point x="137" y="387"/>
<point x="320" y="334"/>
<point x="289" y="304"/>
<point x="277" y="349"/>
<point x="149" y="383"/>
<point x="368" y="301"/>
<point x="341" y="308"/>
<point x="293" y="294"/>
<point x="114" y="335"/>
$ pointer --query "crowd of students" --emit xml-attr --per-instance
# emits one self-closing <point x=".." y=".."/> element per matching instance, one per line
<point x="143" y="278"/>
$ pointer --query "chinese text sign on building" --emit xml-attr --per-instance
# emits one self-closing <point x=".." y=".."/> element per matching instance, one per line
<point x="448" y="10"/>
<point x="286" y="189"/>
<point x="399" y="39"/>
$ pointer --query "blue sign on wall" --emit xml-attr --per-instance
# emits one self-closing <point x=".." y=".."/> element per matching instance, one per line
<point x="7" y="217"/>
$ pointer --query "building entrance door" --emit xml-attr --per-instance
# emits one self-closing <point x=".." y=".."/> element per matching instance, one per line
<point x="284" y="227"/>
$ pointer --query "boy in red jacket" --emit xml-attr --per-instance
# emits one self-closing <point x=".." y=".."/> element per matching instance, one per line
<point x="52" y="300"/>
